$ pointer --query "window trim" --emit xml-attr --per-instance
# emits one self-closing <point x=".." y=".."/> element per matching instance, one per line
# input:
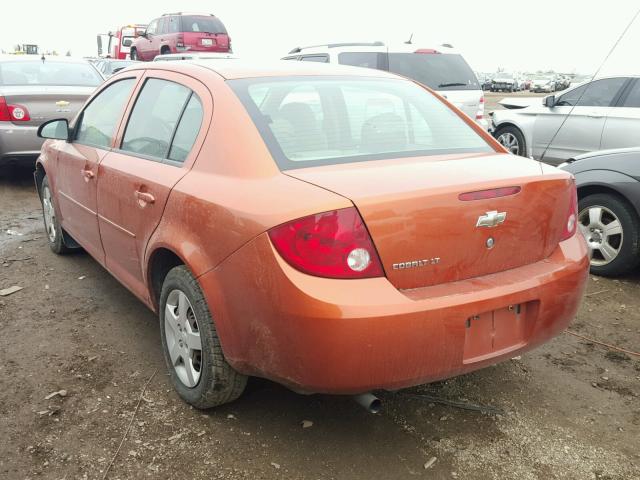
<point x="80" y="117"/>
<point x="166" y="159"/>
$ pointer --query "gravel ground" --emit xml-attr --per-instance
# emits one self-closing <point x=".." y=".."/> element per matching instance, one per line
<point x="568" y="410"/>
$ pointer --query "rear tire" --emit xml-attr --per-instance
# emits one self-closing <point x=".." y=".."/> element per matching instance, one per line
<point x="203" y="379"/>
<point x="512" y="139"/>
<point x="600" y="216"/>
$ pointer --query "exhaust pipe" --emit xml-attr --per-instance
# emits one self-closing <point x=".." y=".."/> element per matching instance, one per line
<point x="369" y="402"/>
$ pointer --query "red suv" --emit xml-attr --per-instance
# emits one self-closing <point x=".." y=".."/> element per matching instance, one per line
<point x="181" y="32"/>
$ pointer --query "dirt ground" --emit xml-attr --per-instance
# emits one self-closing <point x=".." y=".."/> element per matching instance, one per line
<point x="568" y="410"/>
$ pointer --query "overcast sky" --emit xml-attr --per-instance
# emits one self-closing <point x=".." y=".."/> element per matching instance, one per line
<point x="569" y="35"/>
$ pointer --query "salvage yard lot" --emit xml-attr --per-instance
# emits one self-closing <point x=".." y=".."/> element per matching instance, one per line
<point x="570" y="409"/>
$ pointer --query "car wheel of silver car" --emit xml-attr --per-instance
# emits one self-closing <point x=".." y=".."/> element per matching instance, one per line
<point x="197" y="367"/>
<point x="55" y="234"/>
<point x="612" y="231"/>
<point x="512" y="139"/>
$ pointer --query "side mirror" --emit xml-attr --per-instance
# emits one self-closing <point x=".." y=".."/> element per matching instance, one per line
<point x="144" y="34"/>
<point x="127" y="42"/>
<point x="55" y="129"/>
<point x="549" y="101"/>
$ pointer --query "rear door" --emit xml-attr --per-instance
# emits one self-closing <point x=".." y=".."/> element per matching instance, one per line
<point x="582" y="130"/>
<point x="76" y="170"/>
<point x="622" y="128"/>
<point x="164" y="131"/>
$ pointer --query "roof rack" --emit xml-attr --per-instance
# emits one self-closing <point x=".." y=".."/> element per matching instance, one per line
<point x="338" y="45"/>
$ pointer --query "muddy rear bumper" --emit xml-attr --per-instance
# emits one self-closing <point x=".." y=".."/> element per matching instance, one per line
<point x="351" y="336"/>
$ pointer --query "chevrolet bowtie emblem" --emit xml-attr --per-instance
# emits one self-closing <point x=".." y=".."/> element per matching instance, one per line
<point x="62" y="103"/>
<point x="491" y="219"/>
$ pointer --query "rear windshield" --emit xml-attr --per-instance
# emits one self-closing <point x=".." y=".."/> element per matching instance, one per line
<point x="201" y="23"/>
<point x="436" y="70"/>
<point x="310" y="121"/>
<point x="48" y="73"/>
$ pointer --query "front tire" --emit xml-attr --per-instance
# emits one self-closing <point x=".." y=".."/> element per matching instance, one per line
<point x="133" y="55"/>
<point x="55" y="234"/>
<point x="512" y="139"/>
<point x="197" y="367"/>
<point x="611" y="228"/>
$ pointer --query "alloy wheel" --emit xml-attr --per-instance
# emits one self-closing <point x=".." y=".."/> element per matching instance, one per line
<point x="509" y="141"/>
<point x="49" y="214"/>
<point x="603" y="231"/>
<point x="183" y="338"/>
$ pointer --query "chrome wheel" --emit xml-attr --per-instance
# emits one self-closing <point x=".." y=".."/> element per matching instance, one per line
<point x="49" y="214"/>
<point x="603" y="231"/>
<point x="183" y="338"/>
<point x="509" y="141"/>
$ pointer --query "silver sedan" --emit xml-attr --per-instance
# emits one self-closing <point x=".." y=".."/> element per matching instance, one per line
<point x="605" y="114"/>
<point x="35" y="89"/>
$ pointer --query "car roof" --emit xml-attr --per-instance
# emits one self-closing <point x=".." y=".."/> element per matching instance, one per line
<point x="369" y="47"/>
<point x="35" y="58"/>
<point x="244" y="69"/>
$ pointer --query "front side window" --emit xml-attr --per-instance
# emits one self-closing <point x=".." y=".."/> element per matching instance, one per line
<point x="310" y="121"/>
<point x="98" y="121"/>
<point x="153" y="26"/>
<point x="154" y="118"/>
<point x="599" y="93"/>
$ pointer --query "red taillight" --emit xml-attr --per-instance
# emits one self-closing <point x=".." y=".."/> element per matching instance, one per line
<point x="332" y="244"/>
<point x="13" y="113"/>
<point x="480" y="112"/>
<point x="571" y="224"/>
<point x="426" y="50"/>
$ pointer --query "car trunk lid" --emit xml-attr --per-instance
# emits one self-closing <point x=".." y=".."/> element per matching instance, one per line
<point x="425" y="234"/>
<point x="46" y="102"/>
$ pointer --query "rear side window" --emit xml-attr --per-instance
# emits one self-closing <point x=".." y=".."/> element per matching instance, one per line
<point x="599" y="93"/>
<point x="98" y="121"/>
<point x="174" y="24"/>
<point x="439" y="71"/>
<point x="633" y="99"/>
<point x="309" y="121"/>
<point x="363" y="59"/>
<point x="201" y="23"/>
<point x="187" y="130"/>
<point x="155" y="119"/>
<point x="315" y="58"/>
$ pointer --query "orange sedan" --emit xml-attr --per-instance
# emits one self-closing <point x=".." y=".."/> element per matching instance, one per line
<point x="334" y="229"/>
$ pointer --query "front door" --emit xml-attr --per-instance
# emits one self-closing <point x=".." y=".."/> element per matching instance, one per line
<point x="78" y="160"/>
<point x="146" y="46"/>
<point x="574" y="126"/>
<point x="137" y="178"/>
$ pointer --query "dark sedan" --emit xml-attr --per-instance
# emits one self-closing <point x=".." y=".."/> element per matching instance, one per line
<point x="609" y="207"/>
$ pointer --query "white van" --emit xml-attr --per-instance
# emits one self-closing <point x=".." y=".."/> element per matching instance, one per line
<point x="442" y="69"/>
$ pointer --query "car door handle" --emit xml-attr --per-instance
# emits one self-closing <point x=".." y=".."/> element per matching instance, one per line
<point x="145" y="197"/>
<point x="87" y="174"/>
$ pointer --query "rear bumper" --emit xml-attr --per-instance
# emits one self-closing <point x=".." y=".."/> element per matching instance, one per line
<point x="352" y="336"/>
<point x="18" y="144"/>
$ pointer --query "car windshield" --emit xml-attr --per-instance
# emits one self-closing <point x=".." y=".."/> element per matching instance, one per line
<point x="436" y="70"/>
<point x="48" y="72"/>
<point x="201" y="23"/>
<point x="311" y="121"/>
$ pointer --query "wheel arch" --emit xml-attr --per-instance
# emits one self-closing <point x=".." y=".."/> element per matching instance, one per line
<point x="611" y="182"/>
<point x="161" y="260"/>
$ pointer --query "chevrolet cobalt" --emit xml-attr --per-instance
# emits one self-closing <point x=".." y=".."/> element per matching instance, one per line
<point x="334" y="229"/>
